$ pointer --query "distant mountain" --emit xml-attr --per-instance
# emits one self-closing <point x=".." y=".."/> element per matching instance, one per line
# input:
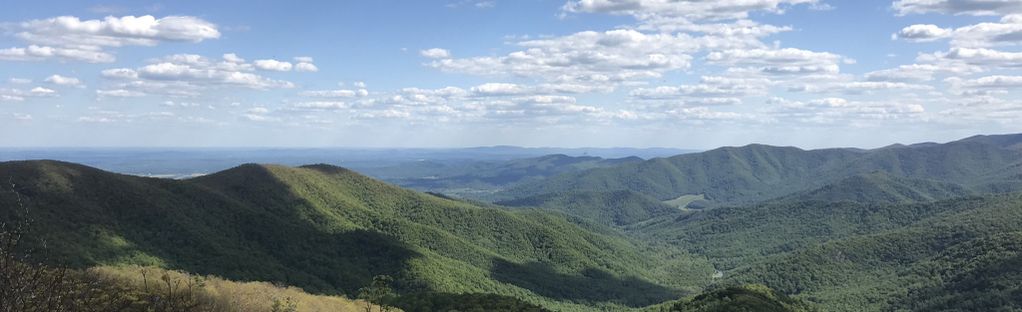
<point x="478" y="180"/>
<point x="880" y="187"/>
<point x="617" y="208"/>
<point x="328" y="229"/>
<point x="748" y="174"/>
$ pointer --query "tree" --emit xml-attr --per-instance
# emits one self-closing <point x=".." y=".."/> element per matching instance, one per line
<point x="377" y="292"/>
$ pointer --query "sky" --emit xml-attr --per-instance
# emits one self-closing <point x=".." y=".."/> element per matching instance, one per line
<point x="456" y="73"/>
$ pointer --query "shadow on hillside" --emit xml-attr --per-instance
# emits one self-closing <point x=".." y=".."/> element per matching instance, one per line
<point x="591" y="286"/>
<point x="242" y="224"/>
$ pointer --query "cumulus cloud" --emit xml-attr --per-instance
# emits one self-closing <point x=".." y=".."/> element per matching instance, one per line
<point x="233" y="58"/>
<point x="70" y="38"/>
<point x="306" y="67"/>
<point x="589" y="58"/>
<point x="39" y="53"/>
<point x="63" y="81"/>
<point x="340" y="93"/>
<point x="435" y="53"/>
<point x="923" y="33"/>
<point x="833" y="111"/>
<point x="957" y="7"/>
<point x="787" y="61"/>
<point x="188" y="75"/>
<point x="274" y="65"/>
<point x="1006" y="32"/>
<point x="118" y="93"/>
<point x="985" y="58"/>
<point x="709" y="86"/>
<point x="40" y="91"/>
<point x="692" y="10"/>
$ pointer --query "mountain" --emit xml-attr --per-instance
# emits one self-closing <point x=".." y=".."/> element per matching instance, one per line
<point x="616" y="208"/>
<point x="848" y="256"/>
<point x="753" y="173"/>
<point x="329" y="230"/>
<point x="741" y="298"/>
<point x="881" y="187"/>
<point x="479" y="179"/>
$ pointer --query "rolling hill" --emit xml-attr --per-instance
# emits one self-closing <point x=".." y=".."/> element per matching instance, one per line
<point x="329" y="230"/>
<point x="616" y="208"/>
<point x="753" y="173"/>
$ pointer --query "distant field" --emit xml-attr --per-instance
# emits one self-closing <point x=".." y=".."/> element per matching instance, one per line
<point x="682" y="201"/>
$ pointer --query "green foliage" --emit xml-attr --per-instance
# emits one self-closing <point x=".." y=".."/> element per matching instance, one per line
<point x="479" y="179"/>
<point x="615" y="208"/>
<point x="880" y="187"/>
<point x="330" y="230"/>
<point x="749" y="297"/>
<point x="748" y="174"/>
<point x="441" y="302"/>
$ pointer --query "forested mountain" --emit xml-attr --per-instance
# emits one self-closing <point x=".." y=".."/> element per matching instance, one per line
<point x="329" y="230"/>
<point x="743" y="175"/>
<point x="924" y="227"/>
<point x="882" y="187"/>
<point x="480" y="179"/>
<point x="618" y="208"/>
<point x="848" y="256"/>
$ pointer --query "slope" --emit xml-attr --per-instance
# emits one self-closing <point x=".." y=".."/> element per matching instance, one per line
<point x="753" y="173"/>
<point x="616" y="208"/>
<point x="328" y="230"/>
<point x="881" y="187"/>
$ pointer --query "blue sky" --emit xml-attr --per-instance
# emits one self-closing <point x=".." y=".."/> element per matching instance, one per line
<point x="691" y="74"/>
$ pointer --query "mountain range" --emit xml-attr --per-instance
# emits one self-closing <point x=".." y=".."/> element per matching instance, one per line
<point x="919" y="227"/>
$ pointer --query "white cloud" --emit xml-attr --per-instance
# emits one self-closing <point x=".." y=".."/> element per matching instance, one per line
<point x="988" y="82"/>
<point x="435" y="53"/>
<point x="340" y="93"/>
<point x="119" y="93"/>
<point x="273" y="65"/>
<point x="63" y="81"/>
<point x="19" y="80"/>
<point x="39" y="53"/>
<point x="585" y="58"/>
<point x="498" y="89"/>
<point x="958" y="7"/>
<point x="1007" y="32"/>
<point x="233" y="58"/>
<point x="709" y="86"/>
<point x="692" y="10"/>
<point x="119" y="73"/>
<point x="919" y="72"/>
<point x="70" y="38"/>
<point x="985" y="58"/>
<point x="306" y="67"/>
<point x="321" y="105"/>
<point x="304" y="59"/>
<point x="787" y="61"/>
<point x="188" y="75"/>
<point x="21" y="117"/>
<point x="923" y="33"/>
<point x="117" y="31"/>
<point x="40" y="91"/>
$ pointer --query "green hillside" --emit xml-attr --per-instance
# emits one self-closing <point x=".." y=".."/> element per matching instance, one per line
<point x="880" y="187"/>
<point x="748" y="174"/>
<point x="750" y="297"/>
<point x="615" y="208"/>
<point x="480" y="179"/>
<point x="853" y="257"/>
<point x="328" y="230"/>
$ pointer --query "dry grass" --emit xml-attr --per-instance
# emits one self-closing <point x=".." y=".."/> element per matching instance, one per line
<point x="228" y="295"/>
